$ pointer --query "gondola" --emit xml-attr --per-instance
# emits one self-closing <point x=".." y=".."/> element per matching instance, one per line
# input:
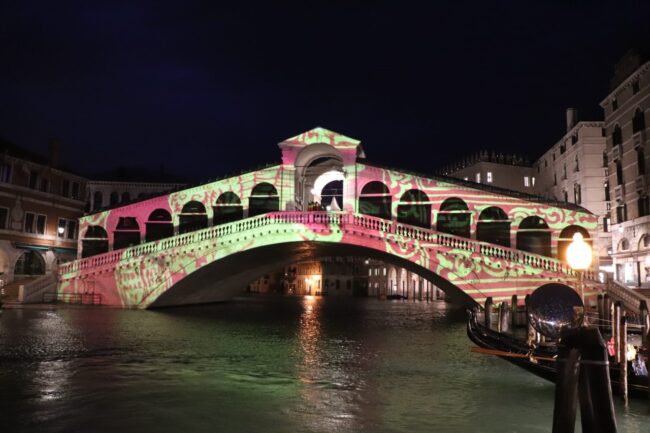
<point x="538" y="361"/>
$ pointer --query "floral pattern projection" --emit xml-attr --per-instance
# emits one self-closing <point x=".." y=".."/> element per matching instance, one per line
<point x="135" y="277"/>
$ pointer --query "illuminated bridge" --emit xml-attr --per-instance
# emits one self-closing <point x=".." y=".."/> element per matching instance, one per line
<point x="206" y="243"/>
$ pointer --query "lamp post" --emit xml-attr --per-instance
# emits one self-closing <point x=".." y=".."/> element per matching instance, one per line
<point x="579" y="257"/>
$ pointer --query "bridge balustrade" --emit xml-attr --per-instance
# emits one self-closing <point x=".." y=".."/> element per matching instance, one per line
<point x="336" y="218"/>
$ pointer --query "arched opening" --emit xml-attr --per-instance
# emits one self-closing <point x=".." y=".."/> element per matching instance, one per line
<point x="159" y="225"/>
<point x="94" y="242"/>
<point x="414" y="208"/>
<point x="30" y="263"/>
<point x="126" y="234"/>
<point x="493" y="226"/>
<point x="98" y="200"/>
<point x="316" y="165"/>
<point x="114" y="198"/>
<point x="454" y="217"/>
<point x="623" y="245"/>
<point x="263" y="199"/>
<point x="331" y="195"/>
<point x="566" y="237"/>
<point x="534" y="236"/>
<point x="228" y="208"/>
<point x="192" y="217"/>
<point x="375" y="200"/>
<point x="638" y="122"/>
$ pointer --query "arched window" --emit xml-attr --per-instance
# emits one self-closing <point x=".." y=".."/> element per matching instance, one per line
<point x="414" y="208"/>
<point x="624" y="245"/>
<point x="638" y="122"/>
<point x="127" y="233"/>
<point x="126" y="197"/>
<point x="640" y="160"/>
<point x="94" y="242"/>
<point x="534" y="236"/>
<point x="566" y="237"/>
<point x="159" y="225"/>
<point x="617" y="136"/>
<point x="30" y="263"/>
<point x="98" y="200"/>
<point x="331" y="196"/>
<point x="114" y="198"/>
<point x="375" y="200"/>
<point x="454" y="217"/>
<point x="263" y="199"/>
<point x="192" y="217"/>
<point x="493" y="226"/>
<point x="228" y="208"/>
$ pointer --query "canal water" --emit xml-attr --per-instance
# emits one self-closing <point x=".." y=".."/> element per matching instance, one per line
<point x="266" y="364"/>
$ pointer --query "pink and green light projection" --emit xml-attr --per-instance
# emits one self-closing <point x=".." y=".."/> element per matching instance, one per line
<point x="483" y="243"/>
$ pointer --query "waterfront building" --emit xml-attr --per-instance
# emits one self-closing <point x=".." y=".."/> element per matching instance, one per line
<point x="626" y="127"/>
<point x="511" y="172"/>
<point x="40" y="204"/>
<point x="388" y="280"/>
<point x="574" y="170"/>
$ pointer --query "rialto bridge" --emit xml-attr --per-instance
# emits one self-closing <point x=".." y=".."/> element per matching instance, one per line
<point x="205" y="243"/>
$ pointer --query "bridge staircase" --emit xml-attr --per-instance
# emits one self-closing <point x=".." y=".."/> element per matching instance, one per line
<point x="311" y="225"/>
<point x="630" y="298"/>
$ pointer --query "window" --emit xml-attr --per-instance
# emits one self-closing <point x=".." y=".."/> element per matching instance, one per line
<point x="577" y="194"/>
<point x="562" y="149"/>
<point x="75" y="190"/>
<point x="635" y="87"/>
<point x="553" y="156"/>
<point x="621" y="214"/>
<point x="45" y="185"/>
<point x="546" y="163"/>
<point x="526" y="181"/>
<point x="384" y="271"/>
<point x="478" y="177"/>
<point x="640" y="160"/>
<point x="605" y="162"/>
<point x="574" y="139"/>
<point x="614" y="104"/>
<point x="566" y="195"/>
<point x="65" y="188"/>
<point x="638" y="121"/>
<point x="33" y="179"/>
<point x="67" y="229"/>
<point x="619" y="173"/>
<point x="4" y="212"/>
<point x="533" y="180"/>
<point x="607" y="191"/>
<point x="643" y="205"/>
<point x="617" y="136"/>
<point x="577" y="165"/>
<point x="489" y="177"/>
<point x="554" y="178"/>
<point x="34" y="223"/>
<point x="5" y="172"/>
<point x="606" y="224"/>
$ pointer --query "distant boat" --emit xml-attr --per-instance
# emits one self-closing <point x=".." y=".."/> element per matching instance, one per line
<point x="395" y="296"/>
<point x="541" y="360"/>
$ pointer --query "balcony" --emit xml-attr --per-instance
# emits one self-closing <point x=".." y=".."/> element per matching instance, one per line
<point x="638" y="139"/>
<point x="616" y="153"/>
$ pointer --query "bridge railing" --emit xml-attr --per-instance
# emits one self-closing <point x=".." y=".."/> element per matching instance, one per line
<point x="630" y="298"/>
<point x="322" y="218"/>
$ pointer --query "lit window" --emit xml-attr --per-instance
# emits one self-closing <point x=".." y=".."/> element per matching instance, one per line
<point x="384" y="271"/>
<point x="489" y="177"/>
<point x="526" y="181"/>
<point x="466" y="178"/>
<point x="533" y="180"/>
<point x="478" y="177"/>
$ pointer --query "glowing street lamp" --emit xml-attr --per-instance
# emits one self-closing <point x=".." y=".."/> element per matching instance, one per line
<point x="579" y="257"/>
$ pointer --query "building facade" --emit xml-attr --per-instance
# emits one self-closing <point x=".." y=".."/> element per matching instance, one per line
<point x="502" y="171"/>
<point x="574" y="170"/>
<point x="39" y="209"/>
<point x="389" y="281"/>
<point x="626" y="126"/>
<point x="105" y="194"/>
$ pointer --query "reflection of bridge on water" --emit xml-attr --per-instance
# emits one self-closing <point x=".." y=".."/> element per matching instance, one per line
<point x="203" y="243"/>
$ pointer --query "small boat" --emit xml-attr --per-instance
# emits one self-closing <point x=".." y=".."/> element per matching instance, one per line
<point x="540" y="360"/>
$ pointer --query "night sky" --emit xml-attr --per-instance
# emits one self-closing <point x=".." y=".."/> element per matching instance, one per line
<point x="207" y="90"/>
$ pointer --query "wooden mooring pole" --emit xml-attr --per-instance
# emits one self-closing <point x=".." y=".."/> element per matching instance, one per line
<point x="502" y="326"/>
<point x="513" y="312"/>
<point x="488" y="312"/>
<point x="623" y="356"/>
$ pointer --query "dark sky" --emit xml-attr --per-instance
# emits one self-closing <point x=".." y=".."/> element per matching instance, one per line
<point x="207" y="90"/>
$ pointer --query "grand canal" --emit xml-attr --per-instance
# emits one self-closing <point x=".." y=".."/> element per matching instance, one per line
<point x="265" y="364"/>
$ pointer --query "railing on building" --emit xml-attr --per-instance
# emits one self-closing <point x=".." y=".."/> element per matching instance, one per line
<point x="341" y="219"/>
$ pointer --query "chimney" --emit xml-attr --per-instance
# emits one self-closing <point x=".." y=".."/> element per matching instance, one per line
<point x="55" y="150"/>
<point x="571" y="118"/>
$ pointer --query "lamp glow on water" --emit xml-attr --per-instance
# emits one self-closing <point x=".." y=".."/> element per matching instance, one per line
<point x="579" y="253"/>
